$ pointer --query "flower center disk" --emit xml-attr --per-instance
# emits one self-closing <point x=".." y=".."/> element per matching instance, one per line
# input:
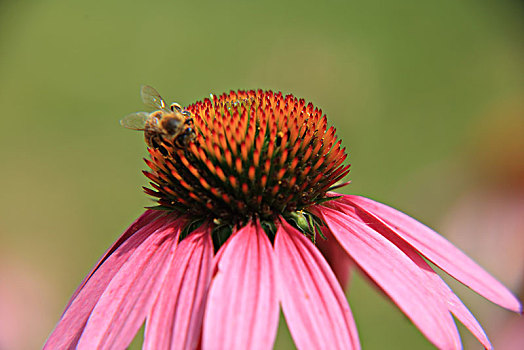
<point x="256" y="154"/>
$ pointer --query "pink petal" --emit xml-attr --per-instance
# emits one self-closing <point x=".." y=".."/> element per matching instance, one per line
<point x="461" y="312"/>
<point x="440" y="251"/>
<point x="434" y="283"/>
<point x="129" y="296"/>
<point x="337" y="258"/>
<point x="316" y="310"/>
<point x="242" y="307"/>
<point x="72" y="322"/>
<point x="397" y="275"/>
<point x="145" y="219"/>
<point x="176" y="318"/>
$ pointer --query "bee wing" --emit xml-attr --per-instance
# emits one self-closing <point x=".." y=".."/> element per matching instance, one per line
<point x="135" y="121"/>
<point x="151" y="97"/>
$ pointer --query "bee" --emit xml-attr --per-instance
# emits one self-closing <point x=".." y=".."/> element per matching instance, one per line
<point x="174" y="125"/>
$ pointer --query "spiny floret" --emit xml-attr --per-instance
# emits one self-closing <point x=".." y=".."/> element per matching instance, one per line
<point x="256" y="154"/>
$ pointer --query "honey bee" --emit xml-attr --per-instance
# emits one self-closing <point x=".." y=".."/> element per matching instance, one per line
<point x="174" y="125"/>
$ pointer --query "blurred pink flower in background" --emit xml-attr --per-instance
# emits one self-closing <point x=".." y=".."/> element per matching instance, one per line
<point x="488" y="218"/>
<point x="248" y="213"/>
<point x="24" y="303"/>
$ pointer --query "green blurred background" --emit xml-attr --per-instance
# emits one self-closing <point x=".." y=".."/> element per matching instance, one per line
<point x="416" y="90"/>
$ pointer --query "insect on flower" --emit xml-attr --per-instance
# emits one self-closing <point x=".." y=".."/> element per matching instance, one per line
<point x="173" y="125"/>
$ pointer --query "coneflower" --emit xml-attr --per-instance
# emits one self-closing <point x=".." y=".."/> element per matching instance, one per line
<point x="246" y="222"/>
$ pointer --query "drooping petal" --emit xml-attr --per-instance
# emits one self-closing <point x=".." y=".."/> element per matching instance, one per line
<point x="314" y="305"/>
<point x="397" y="275"/>
<point x="176" y="318"/>
<point x="463" y="314"/>
<point x="434" y="283"/>
<point x="129" y="296"/>
<point x="72" y="322"/>
<point x="242" y="306"/>
<point x="440" y="251"/>
<point x="145" y="219"/>
<point x="337" y="258"/>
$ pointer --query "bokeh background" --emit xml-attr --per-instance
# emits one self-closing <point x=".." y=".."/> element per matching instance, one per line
<point x="427" y="96"/>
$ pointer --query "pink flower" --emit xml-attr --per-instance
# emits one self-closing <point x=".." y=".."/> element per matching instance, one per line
<point x="248" y="225"/>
